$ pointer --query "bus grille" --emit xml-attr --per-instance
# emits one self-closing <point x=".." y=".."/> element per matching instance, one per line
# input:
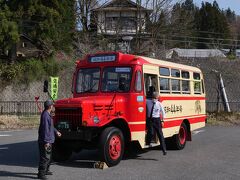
<point x="73" y="116"/>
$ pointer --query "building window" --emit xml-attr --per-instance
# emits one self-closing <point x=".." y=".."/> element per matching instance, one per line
<point x="24" y="44"/>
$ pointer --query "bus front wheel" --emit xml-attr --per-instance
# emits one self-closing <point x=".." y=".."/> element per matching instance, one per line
<point x="181" y="138"/>
<point x="111" y="146"/>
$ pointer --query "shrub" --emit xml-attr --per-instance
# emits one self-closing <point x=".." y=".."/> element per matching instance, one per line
<point x="31" y="70"/>
<point x="11" y="72"/>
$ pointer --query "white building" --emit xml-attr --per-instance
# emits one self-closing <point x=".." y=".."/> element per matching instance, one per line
<point x="120" y="17"/>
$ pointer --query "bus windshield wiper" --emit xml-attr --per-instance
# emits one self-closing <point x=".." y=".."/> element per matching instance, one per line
<point x="90" y="89"/>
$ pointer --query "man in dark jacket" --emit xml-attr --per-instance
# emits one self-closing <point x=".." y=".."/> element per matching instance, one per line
<point x="46" y="137"/>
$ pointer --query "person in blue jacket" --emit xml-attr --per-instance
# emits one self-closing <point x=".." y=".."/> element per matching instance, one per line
<point x="46" y="137"/>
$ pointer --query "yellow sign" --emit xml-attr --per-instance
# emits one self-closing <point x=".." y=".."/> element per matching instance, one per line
<point x="54" y="87"/>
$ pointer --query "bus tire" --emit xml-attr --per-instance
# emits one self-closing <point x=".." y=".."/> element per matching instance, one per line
<point x="111" y="146"/>
<point x="181" y="138"/>
<point x="60" y="154"/>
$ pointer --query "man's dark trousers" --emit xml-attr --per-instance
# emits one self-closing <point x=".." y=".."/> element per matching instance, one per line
<point x="155" y="124"/>
<point x="45" y="159"/>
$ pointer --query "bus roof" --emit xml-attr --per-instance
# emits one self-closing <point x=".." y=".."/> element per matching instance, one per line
<point x="122" y="58"/>
<point x="169" y="64"/>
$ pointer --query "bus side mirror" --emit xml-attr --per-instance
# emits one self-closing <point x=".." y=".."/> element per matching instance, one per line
<point x="45" y="86"/>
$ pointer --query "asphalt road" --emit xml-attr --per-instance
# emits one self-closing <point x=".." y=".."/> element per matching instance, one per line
<point x="214" y="153"/>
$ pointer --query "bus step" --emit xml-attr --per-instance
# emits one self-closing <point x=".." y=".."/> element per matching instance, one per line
<point x="151" y="145"/>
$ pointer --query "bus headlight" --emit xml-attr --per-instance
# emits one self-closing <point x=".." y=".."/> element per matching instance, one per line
<point x="96" y="119"/>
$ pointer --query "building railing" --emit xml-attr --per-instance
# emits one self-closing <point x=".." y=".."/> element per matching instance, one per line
<point x="28" y="108"/>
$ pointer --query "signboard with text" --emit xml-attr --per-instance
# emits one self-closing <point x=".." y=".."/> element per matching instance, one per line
<point x="54" y="87"/>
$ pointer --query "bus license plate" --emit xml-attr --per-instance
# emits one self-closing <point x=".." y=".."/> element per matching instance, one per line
<point x="63" y="125"/>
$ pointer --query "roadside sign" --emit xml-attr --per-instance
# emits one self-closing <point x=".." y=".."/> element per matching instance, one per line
<point x="54" y="87"/>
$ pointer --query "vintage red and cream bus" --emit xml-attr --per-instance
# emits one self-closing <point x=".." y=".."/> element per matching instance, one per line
<point x="108" y="107"/>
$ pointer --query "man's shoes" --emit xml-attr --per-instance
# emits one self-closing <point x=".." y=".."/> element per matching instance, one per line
<point x="40" y="176"/>
<point x="49" y="173"/>
<point x="165" y="153"/>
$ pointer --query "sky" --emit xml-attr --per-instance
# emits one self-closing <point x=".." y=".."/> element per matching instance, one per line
<point x="224" y="4"/>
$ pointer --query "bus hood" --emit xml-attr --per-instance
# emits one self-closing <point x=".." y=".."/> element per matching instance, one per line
<point x="102" y="108"/>
<point x="93" y="100"/>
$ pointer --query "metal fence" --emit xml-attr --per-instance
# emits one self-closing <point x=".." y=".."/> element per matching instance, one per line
<point x="28" y="108"/>
<point x="219" y="107"/>
<point x="20" y="108"/>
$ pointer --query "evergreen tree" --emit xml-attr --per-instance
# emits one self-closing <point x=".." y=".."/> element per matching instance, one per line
<point x="182" y="23"/>
<point x="8" y="29"/>
<point x="230" y="15"/>
<point x="48" y="23"/>
<point x="212" y="25"/>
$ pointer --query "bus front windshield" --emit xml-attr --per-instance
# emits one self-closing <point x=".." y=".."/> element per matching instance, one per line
<point x="116" y="79"/>
<point x="88" y="80"/>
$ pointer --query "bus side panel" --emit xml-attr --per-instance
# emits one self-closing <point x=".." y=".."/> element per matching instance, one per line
<point x="180" y="108"/>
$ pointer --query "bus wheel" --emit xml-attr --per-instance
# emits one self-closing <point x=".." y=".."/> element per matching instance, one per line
<point x="181" y="138"/>
<point x="111" y="146"/>
<point x="60" y="153"/>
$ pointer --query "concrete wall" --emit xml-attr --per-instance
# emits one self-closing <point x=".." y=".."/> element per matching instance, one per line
<point x="28" y="93"/>
<point x="211" y="67"/>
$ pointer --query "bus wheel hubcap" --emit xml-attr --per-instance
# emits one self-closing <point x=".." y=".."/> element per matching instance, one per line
<point x="115" y="147"/>
<point x="182" y="135"/>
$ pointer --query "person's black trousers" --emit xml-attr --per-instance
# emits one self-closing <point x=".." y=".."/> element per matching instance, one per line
<point x="155" y="124"/>
<point x="45" y="156"/>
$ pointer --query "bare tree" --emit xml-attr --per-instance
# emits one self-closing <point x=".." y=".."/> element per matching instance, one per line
<point x="83" y="11"/>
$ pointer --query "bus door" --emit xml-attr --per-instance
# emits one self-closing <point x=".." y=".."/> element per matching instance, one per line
<point x="151" y="84"/>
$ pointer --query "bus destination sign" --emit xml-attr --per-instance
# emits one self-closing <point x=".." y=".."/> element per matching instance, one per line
<point x="103" y="58"/>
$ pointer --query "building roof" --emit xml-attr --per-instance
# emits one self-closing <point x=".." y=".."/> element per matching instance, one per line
<point x="121" y="5"/>
<point x="195" y="53"/>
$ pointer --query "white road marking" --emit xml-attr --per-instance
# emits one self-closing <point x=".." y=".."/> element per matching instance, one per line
<point x="3" y="148"/>
<point x="5" y="135"/>
<point x="11" y="131"/>
<point x="197" y="132"/>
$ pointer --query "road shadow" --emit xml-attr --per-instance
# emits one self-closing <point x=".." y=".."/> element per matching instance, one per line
<point x="83" y="159"/>
<point x="18" y="175"/>
<point x="87" y="158"/>
<point x="23" y="154"/>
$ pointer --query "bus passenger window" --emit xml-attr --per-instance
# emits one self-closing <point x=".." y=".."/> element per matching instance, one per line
<point x="185" y="87"/>
<point x="175" y="73"/>
<point x="197" y="87"/>
<point x="197" y="83"/>
<point x="185" y="75"/>
<point x="203" y="88"/>
<point x="138" y="82"/>
<point x="196" y="76"/>
<point x="164" y="85"/>
<point x="164" y="71"/>
<point x="175" y="86"/>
